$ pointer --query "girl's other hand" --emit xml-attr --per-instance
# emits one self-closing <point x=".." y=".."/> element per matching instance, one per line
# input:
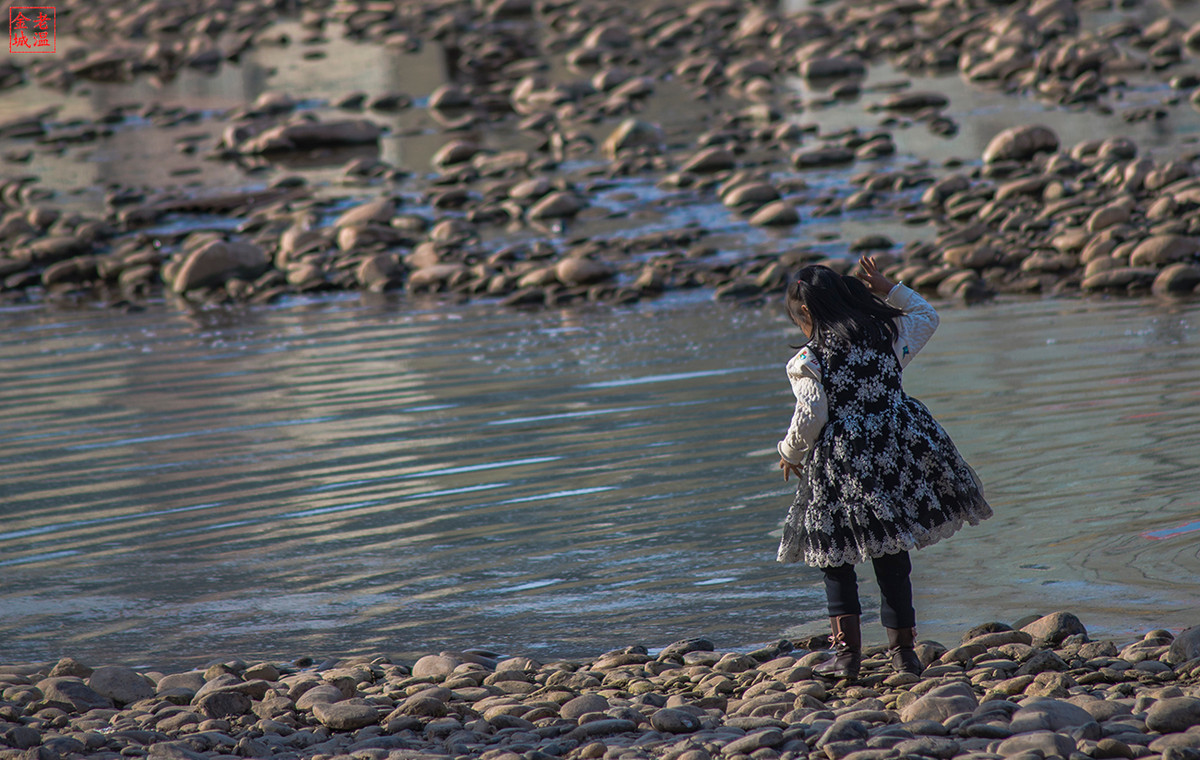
<point x="870" y="274"/>
<point x="788" y="468"/>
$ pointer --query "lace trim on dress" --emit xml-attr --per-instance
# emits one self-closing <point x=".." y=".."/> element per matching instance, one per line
<point x="791" y="548"/>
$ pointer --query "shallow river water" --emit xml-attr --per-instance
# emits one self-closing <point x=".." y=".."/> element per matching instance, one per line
<point x="367" y="475"/>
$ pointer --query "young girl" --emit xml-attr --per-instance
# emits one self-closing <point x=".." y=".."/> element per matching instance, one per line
<point x="877" y="475"/>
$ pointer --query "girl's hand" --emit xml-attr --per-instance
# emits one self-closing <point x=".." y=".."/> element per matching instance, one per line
<point x="788" y="468"/>
<point x="870" y="274"/>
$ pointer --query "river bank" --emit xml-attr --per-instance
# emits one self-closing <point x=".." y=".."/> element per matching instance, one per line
<point x="1043" y="691"/>
<point x="568" y="152"/>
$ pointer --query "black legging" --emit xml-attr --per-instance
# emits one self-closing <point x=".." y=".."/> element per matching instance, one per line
<point x="891" y="571"/>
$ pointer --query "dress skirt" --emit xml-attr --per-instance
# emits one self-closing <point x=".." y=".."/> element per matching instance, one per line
<point x="882" y="477"/>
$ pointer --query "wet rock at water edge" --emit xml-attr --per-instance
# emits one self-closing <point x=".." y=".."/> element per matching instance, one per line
<point x="218" y="261"/>
<point x="1020" y="143"/>
<point x="310" y="135"/>
<point x="775" y="214"/>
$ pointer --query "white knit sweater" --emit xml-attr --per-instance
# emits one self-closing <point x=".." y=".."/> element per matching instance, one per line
<point x="916" y="327"/>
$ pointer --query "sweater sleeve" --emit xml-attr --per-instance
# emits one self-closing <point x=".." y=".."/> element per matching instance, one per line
<point x="812" y="409"/>
<point x="916" y="326"/>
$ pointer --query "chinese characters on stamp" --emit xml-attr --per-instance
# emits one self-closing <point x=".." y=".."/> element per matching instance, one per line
<point x="31" y="29"/>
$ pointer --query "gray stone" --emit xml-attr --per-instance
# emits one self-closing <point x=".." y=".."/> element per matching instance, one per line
<point x="224" y="704"/>
<point x="1186" y="646"/>
<point x="999" y="638"/>
<point x="914" y="101"/>
<point x="378" y="211"/>
<point x="308" y="135"/>
<point x="1045" y="714"/>
<point x="670" y="720"/>
<point x="750" y="195"/>
<point x="1120" y="278"/>
<point x="833" y="67"/>
<point x="583" y="704"/>
<point x="735" y="662"/>
<point x="1177" y="278"/>
<point x="603" y="727"/>
<point x="556" y="205"/>
<point x="710" y="160"/>
<point x="345" y="716"/>
<point x="327" y="693"/>
<point x="449" y="96"/>
<point x="941" y="702"/>
<point x="1050" y="630"/>
<point x="1184" y="741"/>
<point x="844" y="730"/>
<point x="634" y="134"/>
<point x="122" y="685"/>
<point x="73" y="691"/>
<point x="193" y="681"/>
<point x="419" y="705"/>
<point x="218" y="683"/>
<point x="1111" y="748"/>
<point x="435" y="277"/>
<point x="21" y="737"/>
<point x="767" y="737"/>
<point x="1173" y="715"/>
<point x="776" y="214"/>
<point x="1046" y="742"/>
<point x="820" y="157"/>
<point x="1041" y="661"/>
<point x="576" y="270"/>
<point x="175" y="751"/>
<point x="215" y="263"/>
<point x="1160" y="250"/>
<point x="522" y="664"/>
<point x="69" y="666"/>
<point x="455" y="152"/>
<point x="504" y="721"/>
<point x="50" y="250"/>
<point x="379" y="272"/>
<point x="928" y="746"/>
<point x="1020" y="144"/>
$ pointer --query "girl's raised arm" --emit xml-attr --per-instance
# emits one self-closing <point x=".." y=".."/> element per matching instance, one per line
<point x="920" y="320"/>
<point x="918" y="324"/>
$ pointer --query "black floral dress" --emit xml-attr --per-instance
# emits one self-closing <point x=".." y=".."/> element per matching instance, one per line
<point x="883" y="476"/>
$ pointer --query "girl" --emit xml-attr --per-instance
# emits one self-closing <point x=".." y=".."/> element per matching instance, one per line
<point x="877" y="475"/>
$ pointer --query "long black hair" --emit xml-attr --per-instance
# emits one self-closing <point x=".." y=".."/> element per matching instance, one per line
<point x="841" y="306"/>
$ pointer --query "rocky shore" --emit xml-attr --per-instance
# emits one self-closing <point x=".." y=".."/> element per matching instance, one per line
<point x="497" y="219"/>
<point x="1043" y="690"/>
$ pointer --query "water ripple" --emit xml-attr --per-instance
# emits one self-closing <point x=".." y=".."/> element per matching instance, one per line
<point x="335" y="478"/>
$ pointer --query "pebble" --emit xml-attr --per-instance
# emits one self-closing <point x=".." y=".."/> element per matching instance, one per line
<point x="690" y="702"/>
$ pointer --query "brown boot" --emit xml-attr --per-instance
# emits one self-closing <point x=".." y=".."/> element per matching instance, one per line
<point x="901" y="643"/>
<point x="847" y="645"/>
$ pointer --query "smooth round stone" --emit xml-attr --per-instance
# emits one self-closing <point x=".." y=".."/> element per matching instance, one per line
<point x="325" y="693"/>
<point x="1050" y="630"/>
<point x="224" y="704"/>
<point x="1046" y="742"/>
<point x="121" y="685"/>
<point x="346" y="716"/>
<point x="941" y="702"/>
<point x="1173" y="715"/>
<point x="674" y="721"/>
<point x="1020" y="144"/>
<point x="776" y="214"/>
<point x="74" y="692"/>
<point x="582" y="705"/>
